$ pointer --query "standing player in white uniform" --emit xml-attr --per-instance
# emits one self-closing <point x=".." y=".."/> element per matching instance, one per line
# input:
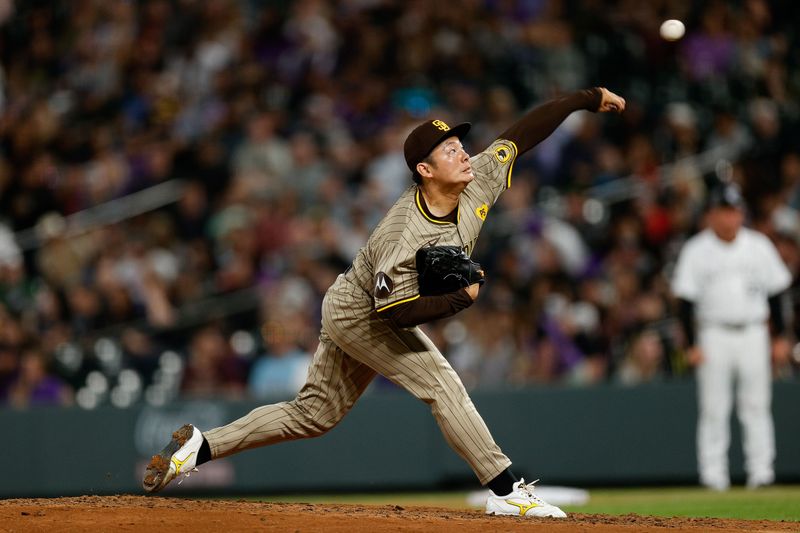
<point x="728" y="281"/>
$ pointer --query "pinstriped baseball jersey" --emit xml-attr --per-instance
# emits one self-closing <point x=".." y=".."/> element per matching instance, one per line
<point x="385" y="268"/>
<point x="355" y="343"/>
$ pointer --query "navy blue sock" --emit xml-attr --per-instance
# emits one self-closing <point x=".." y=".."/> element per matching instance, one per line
<point x="204" y="454"/>
<point x="503" y="484"/>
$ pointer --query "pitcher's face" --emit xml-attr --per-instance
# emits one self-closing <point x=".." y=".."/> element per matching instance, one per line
<point x="448" y="163"/>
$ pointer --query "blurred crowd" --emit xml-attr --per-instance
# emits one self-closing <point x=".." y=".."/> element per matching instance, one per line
<point x="283" y="124"/>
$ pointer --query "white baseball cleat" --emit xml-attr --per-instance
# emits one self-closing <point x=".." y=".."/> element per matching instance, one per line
<point x="177" y="457"/>
<point x="522" y="502"/>
<point x="764" y="480"/>
<point x="716" y="483"/>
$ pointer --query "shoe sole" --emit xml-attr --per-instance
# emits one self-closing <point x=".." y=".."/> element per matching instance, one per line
<point x="158" y="467"/>
<point x="531" y="517"/>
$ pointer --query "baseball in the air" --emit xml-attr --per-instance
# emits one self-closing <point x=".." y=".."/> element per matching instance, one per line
<point x="672" y="30"/>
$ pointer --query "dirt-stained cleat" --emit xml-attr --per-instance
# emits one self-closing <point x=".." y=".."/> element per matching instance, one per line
<point x="177" y="457"/>
<point x="522" y="502"/>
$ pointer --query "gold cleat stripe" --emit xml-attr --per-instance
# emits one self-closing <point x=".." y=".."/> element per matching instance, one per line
<point x="523" y="507"/>
<point x="179" y="464"/>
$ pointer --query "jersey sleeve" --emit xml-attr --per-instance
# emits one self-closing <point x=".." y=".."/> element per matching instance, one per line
<point x="492" y="169"/>
<point x="396" y="280"/>
<point x="684" y="280"/>
<point x="777" y="277"/>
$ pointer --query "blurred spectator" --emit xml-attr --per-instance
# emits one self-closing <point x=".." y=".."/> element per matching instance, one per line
<point x="9" y="351"/>
<point x="644" y="360"/>
<point x="709" y="51"/>
<point x="10" y="254"/>
<point x="263" y="159"/>
<point x="35" y="385"/>
<point x="212" y="368"/>
<point x="141" y="351"/>
<point x="282" y="369"/>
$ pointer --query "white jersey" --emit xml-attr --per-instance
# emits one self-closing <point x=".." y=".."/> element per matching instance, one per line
<point x="729" y="282"/>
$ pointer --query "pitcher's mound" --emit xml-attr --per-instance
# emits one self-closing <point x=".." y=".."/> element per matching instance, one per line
<point x="153" y="514"/>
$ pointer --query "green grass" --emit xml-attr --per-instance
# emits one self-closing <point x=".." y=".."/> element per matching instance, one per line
<point x="773" y="503"/>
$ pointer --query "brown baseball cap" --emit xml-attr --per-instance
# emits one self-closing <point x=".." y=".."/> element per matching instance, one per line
<point x="424" y="138"/>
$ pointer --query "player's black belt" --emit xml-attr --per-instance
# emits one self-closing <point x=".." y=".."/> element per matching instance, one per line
<point x="732" y="326"/>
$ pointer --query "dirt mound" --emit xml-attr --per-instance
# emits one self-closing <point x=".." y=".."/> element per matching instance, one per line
<point x="153" y="514"/>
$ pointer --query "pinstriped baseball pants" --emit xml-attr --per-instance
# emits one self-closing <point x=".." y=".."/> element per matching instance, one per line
<point x="352" y="348"/>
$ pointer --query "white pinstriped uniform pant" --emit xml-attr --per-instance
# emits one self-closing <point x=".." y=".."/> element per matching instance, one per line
<point x="353" y="347"/>
<point x="735" y="359"/>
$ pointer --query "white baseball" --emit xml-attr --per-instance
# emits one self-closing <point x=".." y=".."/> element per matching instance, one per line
<point x="672" y="30"/>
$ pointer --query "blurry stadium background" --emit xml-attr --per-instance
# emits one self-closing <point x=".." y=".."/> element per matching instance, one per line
<point x="181" y="180"/>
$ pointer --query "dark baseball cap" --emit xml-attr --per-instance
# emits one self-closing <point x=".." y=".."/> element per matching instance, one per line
<point x="425" y="137"/>
<point x="727" y="195"/>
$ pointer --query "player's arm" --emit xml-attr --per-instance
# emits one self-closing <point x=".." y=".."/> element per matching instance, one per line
<point x="536" y="125"/>
<point x="427" y="308"/>
<point x="777" y="280"/>
<point x="781" y="346"/>
<point x="776" y="316"/>
<point x="686" y="316"/>
<point x="685" y="288"/>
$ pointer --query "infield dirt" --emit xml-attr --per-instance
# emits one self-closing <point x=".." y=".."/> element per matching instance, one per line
<point x="154" y="514"/>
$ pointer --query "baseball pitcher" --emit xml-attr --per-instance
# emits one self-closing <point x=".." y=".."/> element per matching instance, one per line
<point x="414" y="268"/>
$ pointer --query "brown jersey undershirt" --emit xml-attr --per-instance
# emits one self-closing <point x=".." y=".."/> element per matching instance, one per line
<point x="530" y="130"/>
